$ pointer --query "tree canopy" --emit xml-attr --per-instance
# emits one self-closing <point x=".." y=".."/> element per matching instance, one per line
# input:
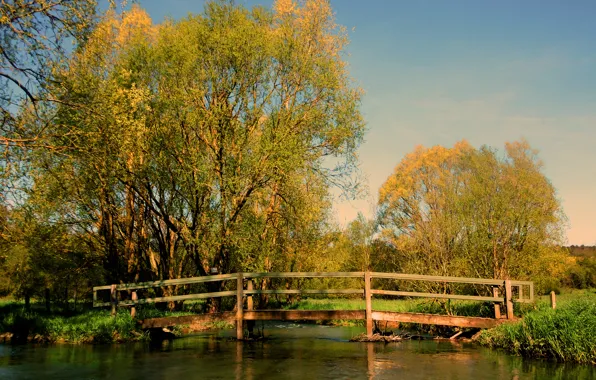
<point x="473" y="212"/>
<point x="202" y="142"/>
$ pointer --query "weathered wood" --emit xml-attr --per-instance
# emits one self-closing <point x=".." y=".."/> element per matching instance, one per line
<point x="133" y="309"/>
<point x="508" y="299"/>
<point x="173" y="298"/>
<point x="303" y="274"/>
<point x="432" y="319"/>
<point x="420" y="277"/>
<point x="187" y="320"/>
<point x="368" y="301"/>
<point x="239" y="306"/>
<point x="113" y="299"/>
<point x="497" y="304"/>
<point x="162" y="283"/>
<point x="531" y="292"/>
<point x="520" y="293"/>
<point x="223" y="277"/>
<point x="249" y="288"/>
<point x="250" y="325"/>
<point x="553" y="300"/>
<point x="321" y="315"/>
<point x="435" y="295"/>
<point x="302" y="315"/>
<point x="305" y="291"/>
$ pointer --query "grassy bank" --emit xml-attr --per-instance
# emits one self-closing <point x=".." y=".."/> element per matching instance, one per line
<point x="567" y="333"/>
<point x="86" y="325"/>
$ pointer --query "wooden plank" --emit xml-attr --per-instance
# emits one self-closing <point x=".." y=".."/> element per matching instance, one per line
<point x="508" y="299"/>
<point x="173" y="298"/>
<point x="420" y="277"/>
<point x="368" y="301"/>
<point x="318" y="315"/>
<point x="302" y="274"/>
<point x="113" y="299"/>
<point x="133" y="309"/>
<point x="178" y="281"/>
<point x="431" y="319"/>
<point x="249" y="301"/>
<point x="302" y="315"/>
<point x="305" y="291"/>
<point x="187" y="320"/>
<point x="497" y="304"/>
<point x="436" y="295"/>
<point x="239" y="307"/>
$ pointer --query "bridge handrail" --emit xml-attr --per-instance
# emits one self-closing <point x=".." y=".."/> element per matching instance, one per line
<point x="248" y="292"/>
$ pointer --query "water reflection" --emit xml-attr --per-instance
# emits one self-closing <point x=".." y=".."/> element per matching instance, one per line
<point x="296" y="353"/>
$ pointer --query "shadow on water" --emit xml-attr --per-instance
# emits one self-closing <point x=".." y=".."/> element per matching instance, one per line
<point x="295" y="352"/>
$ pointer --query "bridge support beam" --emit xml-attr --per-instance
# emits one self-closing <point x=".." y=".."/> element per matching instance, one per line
<point x="508" y="299"/>
<point x="368" y="300"/>
<point x="239" y="307"/>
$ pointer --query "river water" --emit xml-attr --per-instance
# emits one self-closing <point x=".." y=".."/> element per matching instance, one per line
<point x="291" y="351"/>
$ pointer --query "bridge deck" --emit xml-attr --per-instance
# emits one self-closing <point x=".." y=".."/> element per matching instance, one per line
<point x="309" y="315"/>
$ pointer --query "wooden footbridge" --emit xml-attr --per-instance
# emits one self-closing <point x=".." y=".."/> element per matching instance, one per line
<point x="503" y="293"/>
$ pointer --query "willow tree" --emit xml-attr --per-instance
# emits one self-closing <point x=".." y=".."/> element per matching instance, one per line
<point x="191" y="133"/>
<point x="471" y="212"/>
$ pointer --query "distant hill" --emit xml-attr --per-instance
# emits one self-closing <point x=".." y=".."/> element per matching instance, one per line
<point x="582" y="250"/>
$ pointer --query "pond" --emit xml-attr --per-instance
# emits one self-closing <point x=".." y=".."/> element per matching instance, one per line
<point x="291" y="351"/>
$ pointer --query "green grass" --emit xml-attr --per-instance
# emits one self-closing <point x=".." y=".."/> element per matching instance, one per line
<point x="567" y="333"/>
<point x="421" y="305"/>
<point x="87" y="325"/>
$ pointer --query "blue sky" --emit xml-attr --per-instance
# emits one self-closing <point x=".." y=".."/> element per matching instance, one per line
<point x="436" y="72"/>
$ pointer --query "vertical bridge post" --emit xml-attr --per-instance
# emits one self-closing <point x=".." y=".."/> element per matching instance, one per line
<point x="497" y="304"/>
<point x="239" y="307"/>
<point x="249" y="306"/>
<point x="508" y="299"/>
<point x="113" y="299"/>
<point x="368" y="300"/>
<point x="133" y="309"/>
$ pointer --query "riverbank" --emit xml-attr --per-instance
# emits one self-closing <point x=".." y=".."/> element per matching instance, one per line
<point x="565" y="334"/>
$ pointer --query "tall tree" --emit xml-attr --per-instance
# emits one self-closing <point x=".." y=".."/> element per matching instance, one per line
<point x="469" y="212"/>
<point x="193" y="136"/>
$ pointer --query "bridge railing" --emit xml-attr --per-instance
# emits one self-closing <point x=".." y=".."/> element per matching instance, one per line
<point x="502" y="290"/>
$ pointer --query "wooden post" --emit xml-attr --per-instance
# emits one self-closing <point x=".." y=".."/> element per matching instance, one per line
<point x="239" y="307"/>
<point x="521" y="292"/>
<point x="497" y="304"/>
<point x="553" y="300"/>
<point x="368" y="300"/>
<point x="508" y="299"/>
<point x="133" y="309"/>
<point x="113" y="299"/>
<point x="531" y="292"/>
<point x="250" y="325"/>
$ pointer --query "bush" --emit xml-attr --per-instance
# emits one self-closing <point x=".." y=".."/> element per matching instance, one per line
<point x="564" y="334"/>
<point x="582" y="275"/>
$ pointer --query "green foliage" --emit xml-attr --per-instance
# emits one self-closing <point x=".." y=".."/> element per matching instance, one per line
<point x="582" y="275"/>
<point x="202" y="142"/>
<point x="469" y="212"/>
<point x="94" y="326"/>
<point x="564" y="334"/>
